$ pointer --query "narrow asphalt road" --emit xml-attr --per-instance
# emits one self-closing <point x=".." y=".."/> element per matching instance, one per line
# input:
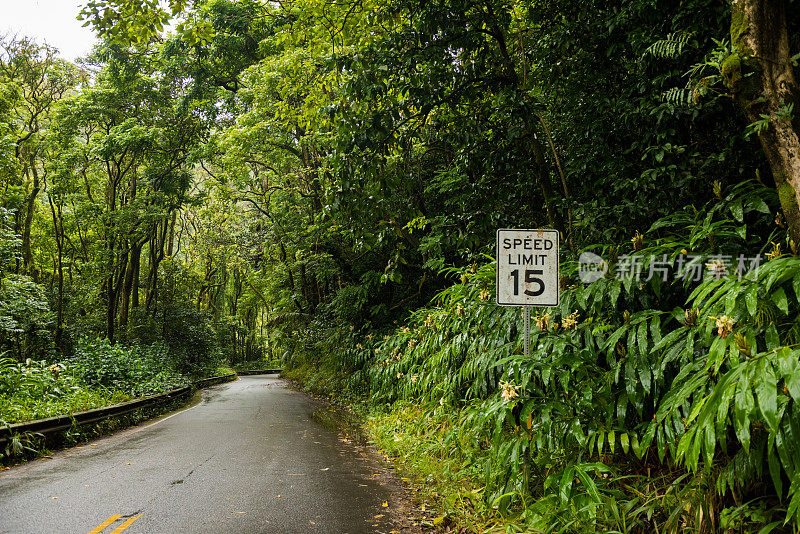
<point x="248" y="458"/>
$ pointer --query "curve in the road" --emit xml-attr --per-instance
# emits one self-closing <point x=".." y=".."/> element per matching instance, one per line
<point x="247" y="458"/>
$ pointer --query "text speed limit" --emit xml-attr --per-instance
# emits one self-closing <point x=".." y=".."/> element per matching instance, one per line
<point x="527" y="267"/>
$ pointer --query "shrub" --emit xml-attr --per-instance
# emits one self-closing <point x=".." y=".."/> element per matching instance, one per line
<point x="137" y="371"/>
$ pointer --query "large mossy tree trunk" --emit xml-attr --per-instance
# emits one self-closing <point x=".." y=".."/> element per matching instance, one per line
<point x="761" y="74"/>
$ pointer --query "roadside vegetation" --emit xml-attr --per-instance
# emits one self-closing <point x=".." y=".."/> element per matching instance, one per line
<point x="319" y="184"/>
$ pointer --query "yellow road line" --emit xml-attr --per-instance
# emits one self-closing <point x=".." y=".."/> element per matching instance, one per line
<point x="104" y="524"/>
<point x="125" y="525"/>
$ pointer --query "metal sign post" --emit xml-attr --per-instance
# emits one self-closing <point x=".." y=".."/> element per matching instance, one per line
<point x="527" y="271"/>
<point x="526" y="312"/>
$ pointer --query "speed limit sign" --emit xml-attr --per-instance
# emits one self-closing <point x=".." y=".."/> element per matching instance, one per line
<point x="527" y="267"/>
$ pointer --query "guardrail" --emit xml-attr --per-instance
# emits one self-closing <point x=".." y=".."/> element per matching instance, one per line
<point x="62" y="422"/>
<point x="259" y="372"/>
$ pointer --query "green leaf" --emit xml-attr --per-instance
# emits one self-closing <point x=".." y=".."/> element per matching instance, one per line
<point x="716" y="354"/>
<point x="743" y="407"/>
<point x="669" y="338"/>
<point x="779" y="298"/>
<point x="730" y="299"/>
<point x="642" y="338"/>
<point x="709" y="445"/>
<point x="614" y="292"/>
<point x="767" y="393"/>
<point x="625" y="442"/>
<point x="588" y="483"/>
<point x="751" y="299"/>
<point x="613" y="338"/>
<point x="636" y="447"/>
<point x="771" y="337"/>
<point x="759" y="205"/>
<point x="774" y="466"/>
<point x="736" y="210"/>
<point x="796" y="287"/>
<point x="793" y="512"/>
<point x="792" y="376"/>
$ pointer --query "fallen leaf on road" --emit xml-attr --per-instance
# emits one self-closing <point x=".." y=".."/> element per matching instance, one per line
<point x="324" y="468"/>
<point x="385" y="504"/>
<point x="377" y="516"/>
<point x="278" y="496"/>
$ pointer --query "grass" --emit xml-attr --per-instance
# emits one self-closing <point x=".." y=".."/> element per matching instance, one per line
<point x="422" y="445"/>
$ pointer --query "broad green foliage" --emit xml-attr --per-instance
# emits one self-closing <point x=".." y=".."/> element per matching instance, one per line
<point x="98" y="374"/>
<point x="37" y="389"/>
<point x="135" y="371"/>
<point x="618" y="376"/>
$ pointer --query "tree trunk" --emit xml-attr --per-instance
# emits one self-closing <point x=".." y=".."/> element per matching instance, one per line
<point x="137" y="267"/>
<point x="58" y="231"/>
<point x="131" y="274"/>
<point x="172" y="232"/>
<point x="27" y="255"/>
<point x="762" y="78"/>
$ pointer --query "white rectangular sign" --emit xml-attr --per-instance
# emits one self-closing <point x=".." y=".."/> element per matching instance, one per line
<point x="527" y="267"/>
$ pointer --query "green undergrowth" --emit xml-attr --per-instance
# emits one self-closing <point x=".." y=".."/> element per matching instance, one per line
<point x="420" y="444"/>
<point x="222" y="370"/>
<point x="97" y="375"/>
<point x="649" y="403"/>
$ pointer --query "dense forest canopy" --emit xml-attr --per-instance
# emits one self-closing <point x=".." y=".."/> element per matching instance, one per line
<point x="319" y="183"/>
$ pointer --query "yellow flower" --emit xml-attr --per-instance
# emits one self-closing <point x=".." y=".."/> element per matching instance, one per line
<point x="637" y="240"/>
<point x="570" y="321"/>
<point x="775" y="252"/>
<point x="542" y="321"/>
<point x="724" y="325"/>
<point x="508" y="391"/>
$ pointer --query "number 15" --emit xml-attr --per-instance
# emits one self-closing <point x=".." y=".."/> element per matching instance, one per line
<point x="530" y="278"/>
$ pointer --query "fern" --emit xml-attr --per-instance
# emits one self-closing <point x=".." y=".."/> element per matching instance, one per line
<point x="670" y="47"/>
